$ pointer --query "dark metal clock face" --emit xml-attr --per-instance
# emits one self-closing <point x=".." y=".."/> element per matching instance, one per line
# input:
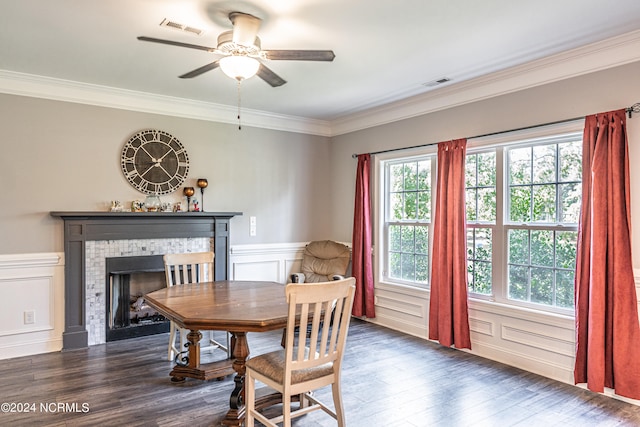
<point x="154" y="162"/>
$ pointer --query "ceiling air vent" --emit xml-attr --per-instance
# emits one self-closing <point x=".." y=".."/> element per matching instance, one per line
<point x="185" y="28"/>
<point x="437" y="82"/>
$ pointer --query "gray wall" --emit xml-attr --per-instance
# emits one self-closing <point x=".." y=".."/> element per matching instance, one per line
<point x="597" y="92"/>
<point x="59" y="156"/>
<point x="65" y="156"/>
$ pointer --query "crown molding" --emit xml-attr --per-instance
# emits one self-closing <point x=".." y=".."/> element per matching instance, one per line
<point x="22" y="84"/>
<point x="594" y="57"/>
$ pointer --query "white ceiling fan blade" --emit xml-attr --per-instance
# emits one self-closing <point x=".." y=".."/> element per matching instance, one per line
<point x="245" y="28"/>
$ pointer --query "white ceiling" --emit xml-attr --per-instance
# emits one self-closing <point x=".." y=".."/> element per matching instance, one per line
<point x="385" y="50"/>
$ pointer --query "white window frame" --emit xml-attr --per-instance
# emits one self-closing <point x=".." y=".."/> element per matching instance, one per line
<point x="384" y="214"/>
<point x="499" y="270"/>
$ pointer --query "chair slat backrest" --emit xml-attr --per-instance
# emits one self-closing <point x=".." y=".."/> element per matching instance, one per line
<point x="186" y="268"/>
<point x="324" y="311"/>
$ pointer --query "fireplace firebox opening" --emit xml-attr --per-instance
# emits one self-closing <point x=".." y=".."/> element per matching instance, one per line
<point x="128" y="279"/>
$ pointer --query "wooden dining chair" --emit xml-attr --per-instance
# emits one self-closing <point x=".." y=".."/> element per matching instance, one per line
<point x="308" y="361"/>
<point x="183" y="269"/>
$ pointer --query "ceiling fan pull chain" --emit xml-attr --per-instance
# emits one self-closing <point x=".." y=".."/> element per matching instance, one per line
<point x="239" y="102"/>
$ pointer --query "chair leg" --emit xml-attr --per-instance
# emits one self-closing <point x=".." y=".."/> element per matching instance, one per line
<point x="250" y="399"/>
<point x="286" y="410"/>
<point x="337" y="403"/>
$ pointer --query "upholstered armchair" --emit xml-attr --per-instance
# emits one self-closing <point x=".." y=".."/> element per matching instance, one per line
<point x="323" y="261"/>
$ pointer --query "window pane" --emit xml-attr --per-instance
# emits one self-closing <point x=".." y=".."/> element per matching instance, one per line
<point x="520" y="166"/>
<point x="544" y="164"/>
<point x="396" y="180"/>
<point x="424" y="175"/>
<point x="422" y="240"/>
<point x="481" y="192"/>
<point x="424" y="205"/>
<point x="570" y="161"/>
<point x="564" y="288"/>
<point x="411" y="176"/>
<point x="470" y="171"/>
<point x="408" y="267"/>
<point x="487" y="169"/>
<point x="520" y="204"/>
<point x="483" y="249"/>
<point x="395" y="206"/>
<point x="395" y="269"/>
<point x="486" y="204"/>
<point x="566" y="246"/>
<point x="395" y="238"/>
<point x="408" y="242"/>
<point x="479" y="257"/>
<point x="541" y="285"/>
<point x="519" y="247"/>
<point x="410" y="206"/>
<point x="542" y="248"/>
<point x="518" y="282"/>
<point x="422" y="268"/>
<point x="482" y="278"/>
<point x="471" y="200"/>
<point x="544" y="203"/>
<point x="570" y="202"/>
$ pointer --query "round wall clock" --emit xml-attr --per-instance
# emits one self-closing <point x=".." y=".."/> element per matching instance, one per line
<point x="154" y="162"/>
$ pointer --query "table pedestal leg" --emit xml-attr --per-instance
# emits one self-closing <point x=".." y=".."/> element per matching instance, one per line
<point x="193" y="369"/>
<point x="236" y="413"/>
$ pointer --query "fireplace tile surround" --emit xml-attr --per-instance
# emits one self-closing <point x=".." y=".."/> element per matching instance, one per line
<point x="91" y="237"/>
<point x="97" y="251"/>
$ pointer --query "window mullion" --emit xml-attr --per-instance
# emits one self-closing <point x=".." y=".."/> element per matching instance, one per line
<point x="499" y="274"/>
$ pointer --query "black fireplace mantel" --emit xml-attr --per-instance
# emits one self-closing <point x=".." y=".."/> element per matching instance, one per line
<point x="80" y="227"/>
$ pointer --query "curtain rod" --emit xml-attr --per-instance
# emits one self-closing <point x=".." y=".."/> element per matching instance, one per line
<point x="635" y="108"/>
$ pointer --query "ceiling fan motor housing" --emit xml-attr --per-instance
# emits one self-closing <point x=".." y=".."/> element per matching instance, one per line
<point x="227" y="46"/>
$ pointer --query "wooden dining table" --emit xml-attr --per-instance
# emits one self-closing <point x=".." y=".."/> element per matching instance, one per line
<point x="227" y="305"/>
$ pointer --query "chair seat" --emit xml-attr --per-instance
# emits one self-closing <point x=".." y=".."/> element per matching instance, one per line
<point x="271" y="365"/>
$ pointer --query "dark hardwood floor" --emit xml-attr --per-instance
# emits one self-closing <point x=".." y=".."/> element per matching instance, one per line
<point x="389" y="379"/>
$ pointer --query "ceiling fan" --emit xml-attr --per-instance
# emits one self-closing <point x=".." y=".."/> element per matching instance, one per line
<point x="242" y="53"/>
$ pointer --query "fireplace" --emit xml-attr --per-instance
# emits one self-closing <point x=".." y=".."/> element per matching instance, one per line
<point x="128" y="279"/>
<point x="91" y="237"/>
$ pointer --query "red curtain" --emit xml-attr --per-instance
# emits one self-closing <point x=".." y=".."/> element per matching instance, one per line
<point x="448" y="316"/>
<point x="362" y="266"/>
<point x="607" y="330"/>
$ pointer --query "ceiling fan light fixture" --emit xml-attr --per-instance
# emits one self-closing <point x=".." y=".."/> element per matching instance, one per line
<point x="239" y="67"/>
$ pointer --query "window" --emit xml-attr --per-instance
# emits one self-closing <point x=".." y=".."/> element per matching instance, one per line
<point x="522" y="206"/>
<point x="408" y="218"/>
<point x="480" y="182"/>
<point x="543" y="198"/>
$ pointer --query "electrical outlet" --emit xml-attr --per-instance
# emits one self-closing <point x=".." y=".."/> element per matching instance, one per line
<point x="29" y="317"/>
<point x="252" y="226"/>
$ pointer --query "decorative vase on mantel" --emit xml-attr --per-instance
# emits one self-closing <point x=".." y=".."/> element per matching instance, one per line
<point x="152" y="203"/>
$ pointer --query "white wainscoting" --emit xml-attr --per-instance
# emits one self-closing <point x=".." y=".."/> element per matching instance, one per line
<point x="527" y="339"/>
<point x="540" y="343"/>
<point x="272" y="262"/>
<point x="31" y="283"/>
<point x="523" y="338"/>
